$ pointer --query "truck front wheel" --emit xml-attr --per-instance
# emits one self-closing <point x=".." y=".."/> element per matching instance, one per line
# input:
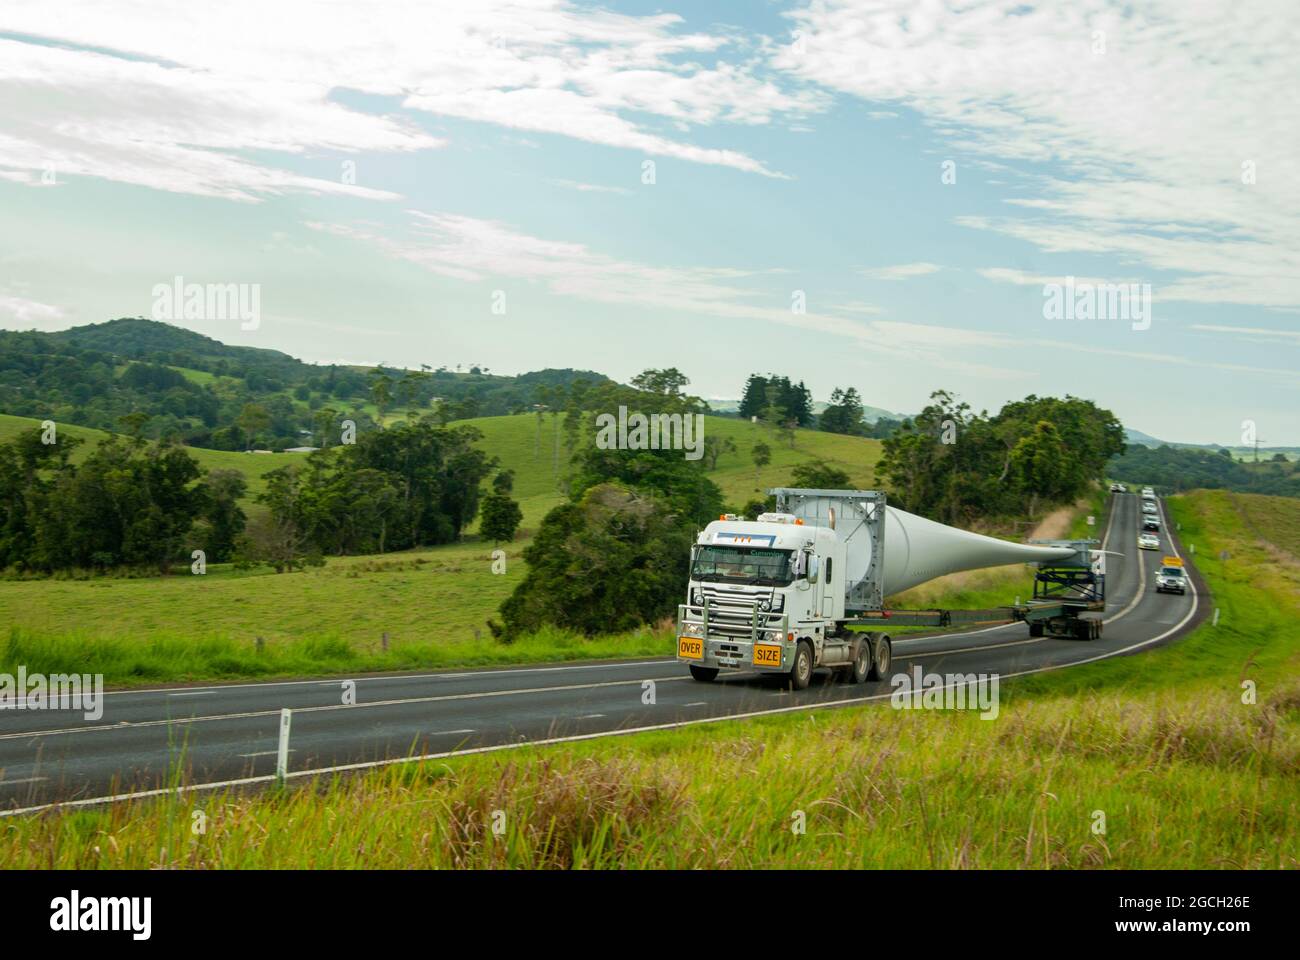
<point x="704" y="674"/>
<point x="802" y="668"/>
<point x="861" y="662"/>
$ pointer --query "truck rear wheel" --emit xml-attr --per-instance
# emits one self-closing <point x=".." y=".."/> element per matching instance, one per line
<point x="1035" y="629"/>
<point x="882" y="655"/>
<point x="703" y="674"/>
<point x="802" y="668"/>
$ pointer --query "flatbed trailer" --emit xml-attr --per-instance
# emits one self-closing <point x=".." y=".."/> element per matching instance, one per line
<point x="1069" y="601"/>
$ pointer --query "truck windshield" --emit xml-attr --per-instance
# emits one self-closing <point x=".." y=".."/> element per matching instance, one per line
<point x="757" y="565"/>
<point x="1171" y="571"/>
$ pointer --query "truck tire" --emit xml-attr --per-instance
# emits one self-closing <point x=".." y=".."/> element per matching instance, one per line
<point x="857" y="672"/>
<point x="1035" y="629"/>
<point x="802" y="668"/>
<point x="703" y="674"/>
<point x="882" y="655"/>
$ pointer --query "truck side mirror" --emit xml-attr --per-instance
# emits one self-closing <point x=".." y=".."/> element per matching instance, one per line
<point x="814" y="565"/>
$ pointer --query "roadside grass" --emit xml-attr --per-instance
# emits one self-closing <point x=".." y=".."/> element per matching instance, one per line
<point x="176" y="657"/>
<point x="1182" y="781"/>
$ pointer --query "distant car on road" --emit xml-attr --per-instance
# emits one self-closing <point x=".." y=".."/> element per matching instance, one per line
<point x="1148" y="506"/>
<point x="1171" y="578"/>
<point x="1149" y="541"/>
<point x="1148" y="493"/>
<point x="1151" y="522"/>
<point x="1118" y="488"/>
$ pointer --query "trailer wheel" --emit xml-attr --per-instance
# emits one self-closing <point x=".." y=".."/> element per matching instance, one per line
<point x="802" y="668"/>
<point x="882" y="655"/>
<point x="1036" y="629"/>
<point x="703" y="674"/>
<point x="857" y="673"/>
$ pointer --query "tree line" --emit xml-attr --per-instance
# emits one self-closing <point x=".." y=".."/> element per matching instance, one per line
<point x="953" y="465"/>
<point x="135" y="504"/>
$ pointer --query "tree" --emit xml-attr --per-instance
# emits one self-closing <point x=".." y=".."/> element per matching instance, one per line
<point x="762" y="456"/>
<point x="819" y="476"/>
<point x="253" y="419"/>
<point x="612" y="560"/>
<point x="844" y="414"/>
<point x="222" y="490"/>
<point x="381" y="391"/>
<point x="1038" y="464"/>
<point x="715" y="447"/>
<point x="679" y="483"/>
<point x="501" y="517"/>
<point x="668" y="381"/>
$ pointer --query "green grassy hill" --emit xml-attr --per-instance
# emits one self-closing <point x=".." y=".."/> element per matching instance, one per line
<point x="254" y="466"/>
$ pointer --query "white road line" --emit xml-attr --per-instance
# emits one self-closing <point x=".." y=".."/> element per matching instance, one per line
<point x="9" y="783"/>
<point x="447" y="733"/>
<point x="592" y="716"/>
<point x="335" y="706"/>
<point x="193" y="693"/>
<point x="266" y="753"/>
<point x="258" y="685"/>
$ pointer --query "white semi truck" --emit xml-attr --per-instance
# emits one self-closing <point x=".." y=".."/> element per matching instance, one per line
<point x="777" y="594"/>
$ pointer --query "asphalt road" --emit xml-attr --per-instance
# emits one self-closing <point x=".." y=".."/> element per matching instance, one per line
<point x="220" y="734"/>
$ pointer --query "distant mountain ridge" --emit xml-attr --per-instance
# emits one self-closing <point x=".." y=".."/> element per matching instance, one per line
<point x="1138" y="438"/>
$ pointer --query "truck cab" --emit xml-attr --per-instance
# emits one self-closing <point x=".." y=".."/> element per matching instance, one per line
<point x="760" y="590"/>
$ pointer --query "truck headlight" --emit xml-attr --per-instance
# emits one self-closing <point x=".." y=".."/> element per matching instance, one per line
<point x="697" y="598"/>
<point x="692" y="629"/>
<point x="765" y="605"/>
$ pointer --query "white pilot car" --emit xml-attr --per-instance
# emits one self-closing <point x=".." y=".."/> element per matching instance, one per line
<point x="1118" y="488"/>
<point x="1148" y="506"/>
<point x="1171" y="577"/>
<point x="1149" y="541"/>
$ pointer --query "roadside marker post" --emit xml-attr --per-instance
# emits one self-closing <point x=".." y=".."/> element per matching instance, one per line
<point x="282" y="756"/>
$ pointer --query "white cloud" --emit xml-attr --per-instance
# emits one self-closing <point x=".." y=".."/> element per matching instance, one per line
<point x="23" y="314"/>
<point x="588" y="187"/>
<point x="903" y="271"/>
<point x="167" y="95"/>
<point x="474" y="250"/>
<point x="1151" y="134"/>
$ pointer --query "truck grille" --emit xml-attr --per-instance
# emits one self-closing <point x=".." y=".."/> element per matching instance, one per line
<point x="731" y="614"/>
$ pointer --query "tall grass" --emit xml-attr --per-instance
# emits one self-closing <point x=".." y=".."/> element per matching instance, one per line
<point x="1181" y="781"/>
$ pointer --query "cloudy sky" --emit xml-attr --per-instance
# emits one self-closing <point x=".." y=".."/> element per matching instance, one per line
<point x="851" y="193"/>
